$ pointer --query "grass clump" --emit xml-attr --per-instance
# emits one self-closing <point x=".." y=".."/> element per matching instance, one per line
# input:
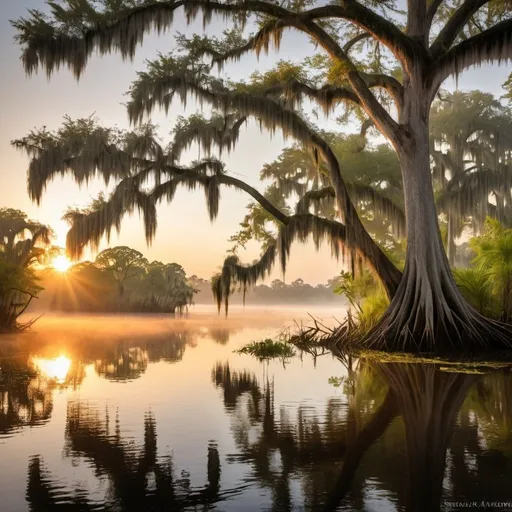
<point x="267" y="349"/>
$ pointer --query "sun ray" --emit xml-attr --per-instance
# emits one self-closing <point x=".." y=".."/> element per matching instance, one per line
<point x="61" y="263"/>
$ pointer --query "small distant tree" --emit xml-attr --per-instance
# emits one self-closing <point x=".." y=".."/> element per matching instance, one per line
<point x="123" y="263"/>
<point x="277" y="284"/>
<point x="165" y="287"/>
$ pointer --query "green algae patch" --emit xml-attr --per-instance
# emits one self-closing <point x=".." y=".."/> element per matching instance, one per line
<point x="466" y="363"/>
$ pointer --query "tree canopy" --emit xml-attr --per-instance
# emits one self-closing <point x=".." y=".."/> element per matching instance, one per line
<point x="122" y="279"/>
<point x="383" y="63"/>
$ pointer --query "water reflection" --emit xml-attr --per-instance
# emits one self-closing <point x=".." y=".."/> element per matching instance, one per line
<point x="54" y="369"/>
<point x="25" y="399"/>
<point x="389" y="441"/>
<point x="197" y="427"/>
<point x="27" y="381"/>
<point x="138" y="478"/>
<point x="26" y="388"/>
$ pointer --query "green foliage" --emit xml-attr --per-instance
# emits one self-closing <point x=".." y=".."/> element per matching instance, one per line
<point x="372" y="309"/>
<point x="123" y="263"/>
<point x="477" y="288"/>
<point x="283" y="72"/>
<point x="493" y="256"/>
<point x="355" y="288"/>
<point x="508" y="87"/>
<point x="121" y="279"/>
<point x="366" y="295"/>
<point x="24" y="244"/>
<point x="268" y="349"/>
<point x="336" y="382"/>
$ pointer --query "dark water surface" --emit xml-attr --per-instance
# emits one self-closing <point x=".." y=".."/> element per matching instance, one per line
<point x="145" y="413"/>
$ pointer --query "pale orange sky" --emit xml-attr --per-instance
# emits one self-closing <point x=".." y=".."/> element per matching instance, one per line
<point x="185" y="234"/>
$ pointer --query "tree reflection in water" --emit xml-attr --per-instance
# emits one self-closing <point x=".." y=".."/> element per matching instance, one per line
<point x="138" y="479"/>
<point x="389" y="434"/>
<point x="25" y="399"/>
<point x="126" y="360"/>
<point x="26" y="386"/>
<point x="26" y="392"/>
<point x="480" y="456"/>
<point x="394" y="430"/>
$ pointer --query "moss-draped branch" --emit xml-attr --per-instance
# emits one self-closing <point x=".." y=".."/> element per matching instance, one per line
<point x="328" y="96"/>
<point x="157" y="89"/>
<point x="381" y="205"/>
<point x="73" y="41"/>
<point x="298" y="227"/>
<point x="492" y="45"/>
<point x="51" y="45"/>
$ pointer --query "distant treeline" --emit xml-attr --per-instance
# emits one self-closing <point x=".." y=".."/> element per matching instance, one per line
<point x="119" y="280"/>
<point x="277" y="292"/>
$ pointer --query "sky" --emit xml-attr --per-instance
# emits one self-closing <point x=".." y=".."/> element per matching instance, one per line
<point x="185" y="234"/>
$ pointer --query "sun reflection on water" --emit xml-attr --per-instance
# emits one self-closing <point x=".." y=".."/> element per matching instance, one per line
<point x="55" y="369"/>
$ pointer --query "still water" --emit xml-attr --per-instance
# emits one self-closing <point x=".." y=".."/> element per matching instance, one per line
<point x="146" y="413"/>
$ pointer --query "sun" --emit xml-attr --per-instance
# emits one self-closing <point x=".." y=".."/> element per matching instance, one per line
<point x="61" y="263"/>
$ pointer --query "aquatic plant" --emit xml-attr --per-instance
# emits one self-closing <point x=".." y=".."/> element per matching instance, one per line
<point x="268" y="349"/>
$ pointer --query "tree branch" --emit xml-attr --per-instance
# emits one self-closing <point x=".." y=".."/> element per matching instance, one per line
<point x="356" y="39"/>
<point x="455" y="25"/>
<point x="382" y="205"/>
<point x="26" y="305"/>
<point x="416" y="20"/>
<point x="389" y="83"/>
<point x="380" y="28"/>
<point x="369" y="102"/>
<point x="326" y="96"/>
<point x="431" y="12"/>
<point x="231" y="182"/>
<point x="24" y="292"/>
<point x="52" y="44"/>
<point x="494" y="44"/>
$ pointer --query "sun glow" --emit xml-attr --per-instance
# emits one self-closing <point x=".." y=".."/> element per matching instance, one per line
<point x="61" y="264"/>
<point x="55" y="369"/>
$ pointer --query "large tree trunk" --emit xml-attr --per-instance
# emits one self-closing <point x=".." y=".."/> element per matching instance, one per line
<point x="428" y="312"/>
